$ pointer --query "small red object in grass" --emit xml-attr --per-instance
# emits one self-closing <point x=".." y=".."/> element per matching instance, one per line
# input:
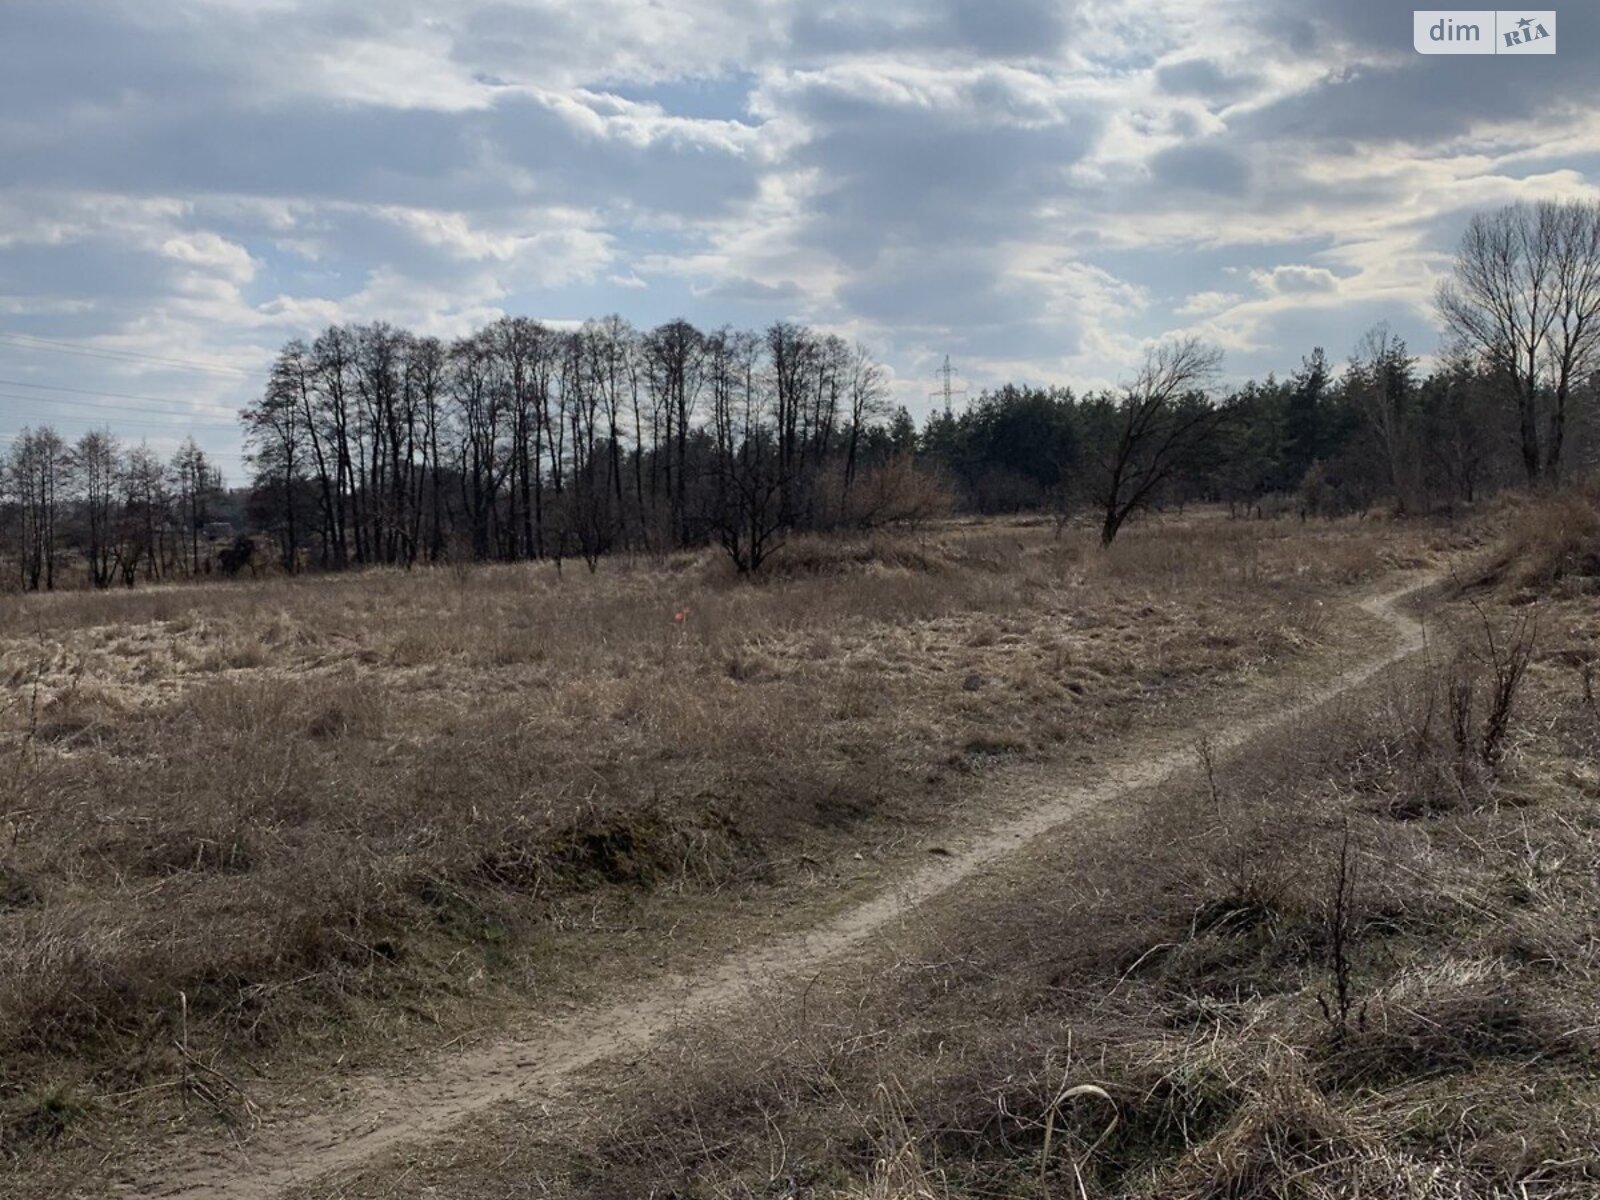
<point x="681" y="616"/>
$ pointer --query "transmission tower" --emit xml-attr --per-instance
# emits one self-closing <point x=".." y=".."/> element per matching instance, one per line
<point x="946" y="373"/>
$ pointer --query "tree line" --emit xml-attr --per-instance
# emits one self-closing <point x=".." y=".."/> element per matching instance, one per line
<point x="1324" y="441"/>
<point x="1512" y="399"/>
<point x="374" y="445"/>
<point x="118" y="514"/>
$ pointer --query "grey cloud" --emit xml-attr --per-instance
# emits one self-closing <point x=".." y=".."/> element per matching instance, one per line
<point x="105" y="269"/>
<point x="1204" y="167"/>
<point x="905" y="175"/>
<point x="741" y="288"/>
<point x="1400" y="96"/>
<point x="554" y="44"/>
<point x="61" y="57"/>
<point x="1204" y="78"/>
<point x="412" y="157"/>
<point x="986" y="28"/>
<point x="671" y="172"/>
<point x="296" y="150"/>
<point x="1300" y="280"/>
<point x="937" y="291"/>
<point x="1287" y="333"/>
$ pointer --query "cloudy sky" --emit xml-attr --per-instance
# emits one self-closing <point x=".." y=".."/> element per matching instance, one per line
<point x="1034" y="187"/>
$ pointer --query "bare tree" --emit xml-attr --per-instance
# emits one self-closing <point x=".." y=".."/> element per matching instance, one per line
<point x="747" y="508"/>
<point x="37" y="477"/>
<point x="1525" y="297"/>
<point x="1575" y="333"/>
<point x="145" y="502"/>
<point x="1381" y="385"/>
<point x="425" y="383"/>
<point x="96" y="468"/>
<point x="1158" y="426"/>
<point x="674" y="356"/>
<point x="866" y="391"/>
<point x="598" y="437"/>
<point x="197" y="482"/>
<point x="275" y="436"/>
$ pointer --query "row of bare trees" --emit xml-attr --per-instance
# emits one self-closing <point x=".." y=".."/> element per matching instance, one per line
<point x="127" y="513"/>
<point x="374" y="445"/>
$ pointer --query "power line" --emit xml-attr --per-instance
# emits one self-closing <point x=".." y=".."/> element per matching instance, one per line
<point x="30" y="341"/>
<point x="98" y="421"/>
<point x="55" y="387"/>
<point x="118" y="409"/>
<point x="189" y="414"/>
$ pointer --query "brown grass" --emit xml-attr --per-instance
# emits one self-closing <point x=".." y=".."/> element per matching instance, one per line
<point x="1549" y="540"/>
<point x="1178" y="963"/>
<point x="297" y="815"/>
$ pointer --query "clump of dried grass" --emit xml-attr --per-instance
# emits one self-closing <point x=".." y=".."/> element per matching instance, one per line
<point x="1456" y="1018"/>
<point x="1549" y="540"/>
<point x="1286" y="1141"/>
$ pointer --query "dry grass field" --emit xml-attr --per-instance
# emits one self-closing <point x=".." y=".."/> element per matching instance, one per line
<point x="255" y="829"/>
<point x="1356" y="959"/>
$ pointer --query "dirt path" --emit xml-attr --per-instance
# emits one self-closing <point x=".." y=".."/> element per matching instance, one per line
<point x="388" y="1113"/>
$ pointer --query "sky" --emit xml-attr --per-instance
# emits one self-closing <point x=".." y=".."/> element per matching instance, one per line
<point x="1037" y="188"/>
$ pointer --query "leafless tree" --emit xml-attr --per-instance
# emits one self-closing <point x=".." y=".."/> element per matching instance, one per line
<point x="545" y="439"/>
<point x="1525" y="296"/>
<point x="482" y="411"/>
<point x="674" y="360"/>
<point x="425" y="381"/>
<point x="275" y="437"/>
<point x="1161" y="421"/>
<point x="1381" y="385"/>
<point x="197" y="483"/>
<point x="867" y="392"/>
<point x="747" y="510"/>
<point x="96" y="470"/>
<point x="145" y="503"/>
<point x="37" y="477"/>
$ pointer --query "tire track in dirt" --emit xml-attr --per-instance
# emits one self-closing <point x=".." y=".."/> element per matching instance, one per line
<point x="389" y="1113"/>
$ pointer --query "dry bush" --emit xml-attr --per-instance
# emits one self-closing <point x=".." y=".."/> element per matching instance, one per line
<point x="1450" y="735"/>
<point x="898" y="492"/>
<point x="1455" y="1017"/>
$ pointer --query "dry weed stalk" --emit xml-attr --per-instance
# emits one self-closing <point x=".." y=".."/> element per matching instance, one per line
<point x="1507" y="666"/>
<point x="1341" y="922"/>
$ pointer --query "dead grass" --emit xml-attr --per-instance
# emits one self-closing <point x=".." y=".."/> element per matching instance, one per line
<point x="1181" y="966"/>
<point x="294" y="816"/>
<point x="1550" y="541"/>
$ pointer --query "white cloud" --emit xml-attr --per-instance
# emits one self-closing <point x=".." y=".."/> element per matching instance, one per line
<point x="1204" y="304"/>
<point x="211" y="254"/>
<point x="1294" y="279"/>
